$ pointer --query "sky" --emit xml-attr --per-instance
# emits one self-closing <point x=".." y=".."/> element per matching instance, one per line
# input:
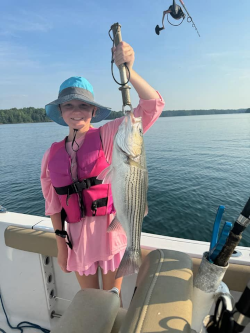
<point x="42" y="43"/>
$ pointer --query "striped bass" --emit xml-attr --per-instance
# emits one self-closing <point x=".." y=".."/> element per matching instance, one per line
<point x="129" y="182"/>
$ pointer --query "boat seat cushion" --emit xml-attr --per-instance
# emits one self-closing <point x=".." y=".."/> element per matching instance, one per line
<point x="163" y="299"/>
<point x="119" y="320"/>
<point x="31" y="240"/>
<point x="92" y="310"/>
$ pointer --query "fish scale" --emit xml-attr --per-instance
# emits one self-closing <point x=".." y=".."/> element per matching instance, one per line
<point x="129" y="182"/>
<point x="134" y="193"/>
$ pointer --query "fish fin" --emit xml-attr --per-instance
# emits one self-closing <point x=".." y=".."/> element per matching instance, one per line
<point x="105" y="175"/>
<point x="130" y="264"/>
<point x="115" y="225"/>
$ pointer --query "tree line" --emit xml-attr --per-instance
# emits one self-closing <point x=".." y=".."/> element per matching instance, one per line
<point x="38" y="115"/>
<point x="24" y="115"/>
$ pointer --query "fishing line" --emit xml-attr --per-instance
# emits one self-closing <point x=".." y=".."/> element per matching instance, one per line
<point x="189" y="18"/>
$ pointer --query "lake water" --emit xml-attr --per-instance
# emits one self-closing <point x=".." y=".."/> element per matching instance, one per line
<point x="195" y="164"/>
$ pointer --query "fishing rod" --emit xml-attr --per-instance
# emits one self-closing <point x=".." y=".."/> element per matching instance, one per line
<point x="177" y="13"/>
<point x="211" y="271"/>
<point x="235" y="235"/>
<point x="228" y="320"/>
<point x="224" y="319"/>
<point x="117" y="38"/>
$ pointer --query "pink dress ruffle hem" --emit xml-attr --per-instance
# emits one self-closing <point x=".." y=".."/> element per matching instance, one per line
<point x="107" y="265"/>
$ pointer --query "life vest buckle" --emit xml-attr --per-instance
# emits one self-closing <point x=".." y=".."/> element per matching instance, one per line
<point x="79" y="186"/>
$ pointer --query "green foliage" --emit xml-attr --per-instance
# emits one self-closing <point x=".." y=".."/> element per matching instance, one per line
<point x="24" y="115"/>
<point x="33" y="115"/>
<point x="199" y="112"/>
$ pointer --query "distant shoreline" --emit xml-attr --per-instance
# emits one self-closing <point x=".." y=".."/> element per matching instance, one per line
<point x="32" y="115"/>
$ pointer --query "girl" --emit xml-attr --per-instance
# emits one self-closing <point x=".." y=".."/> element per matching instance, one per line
<point x="69" y="170"/>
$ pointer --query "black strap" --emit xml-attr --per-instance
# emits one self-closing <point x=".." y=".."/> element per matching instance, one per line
<point x="78" y="186"/>
<point x="63" y="233"/>
<point x="98" y="203"/>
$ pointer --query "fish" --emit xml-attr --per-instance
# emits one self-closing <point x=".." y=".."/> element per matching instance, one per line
<point x="128" y="176"/>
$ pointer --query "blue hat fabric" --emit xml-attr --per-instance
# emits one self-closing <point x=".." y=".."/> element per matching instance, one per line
<point x="75" y="87"/>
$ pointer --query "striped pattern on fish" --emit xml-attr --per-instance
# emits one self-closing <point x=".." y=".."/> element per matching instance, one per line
<point x="129" y="181"/>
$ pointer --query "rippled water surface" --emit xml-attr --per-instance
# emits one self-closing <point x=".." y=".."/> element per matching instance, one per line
<point x="195" y="164"/>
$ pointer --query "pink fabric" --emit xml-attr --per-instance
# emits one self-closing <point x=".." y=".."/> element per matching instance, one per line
<point x="92" y="245"/>
<point x="107" y="265"/>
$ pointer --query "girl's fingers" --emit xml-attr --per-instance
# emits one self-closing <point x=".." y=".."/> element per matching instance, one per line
<point x="122" y="60"/>
<point x="122" y="49"/>
<point x="63" y="268"/>
<point x="123" y="56"/>
<point x="123" y="53"/>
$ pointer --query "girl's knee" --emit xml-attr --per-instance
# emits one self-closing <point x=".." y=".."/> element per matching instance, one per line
<point x="88" y="281"/>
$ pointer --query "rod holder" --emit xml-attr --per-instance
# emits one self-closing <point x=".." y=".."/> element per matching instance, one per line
<point x="206" y="284"/>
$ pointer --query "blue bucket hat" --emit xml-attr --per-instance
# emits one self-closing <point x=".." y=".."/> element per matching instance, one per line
<point x="75" y="87"/>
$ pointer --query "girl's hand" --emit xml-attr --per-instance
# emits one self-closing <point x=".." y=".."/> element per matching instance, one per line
<point x="124" y="53"/>
<point x="62" y="256"/>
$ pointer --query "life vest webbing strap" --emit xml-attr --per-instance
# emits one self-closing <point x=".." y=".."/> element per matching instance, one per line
<point x="77" y="187"/>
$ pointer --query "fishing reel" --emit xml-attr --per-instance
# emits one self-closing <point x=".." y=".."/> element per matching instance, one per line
<point x="177" y="13"/>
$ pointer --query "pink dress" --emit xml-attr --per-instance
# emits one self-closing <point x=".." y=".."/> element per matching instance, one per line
<point x="92" y="244"/>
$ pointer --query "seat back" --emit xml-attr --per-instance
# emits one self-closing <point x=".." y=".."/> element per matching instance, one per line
<point x="163" y="299"/>
<point x="92" y="310"/>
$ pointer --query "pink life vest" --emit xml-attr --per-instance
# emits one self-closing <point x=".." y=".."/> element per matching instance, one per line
<point x="92" y="198"/>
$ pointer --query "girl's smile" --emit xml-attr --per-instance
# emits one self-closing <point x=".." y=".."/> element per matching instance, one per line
<point x="77" y="113"/>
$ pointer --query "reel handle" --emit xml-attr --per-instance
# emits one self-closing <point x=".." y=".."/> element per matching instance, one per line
<point x="158" y="29"/>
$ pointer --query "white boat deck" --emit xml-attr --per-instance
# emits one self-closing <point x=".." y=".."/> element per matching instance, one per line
<point x="23" y="290"/>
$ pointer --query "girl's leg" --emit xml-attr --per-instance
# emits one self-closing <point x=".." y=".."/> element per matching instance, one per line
<point x="109" y="280"/>
<point x="90" y="281"/>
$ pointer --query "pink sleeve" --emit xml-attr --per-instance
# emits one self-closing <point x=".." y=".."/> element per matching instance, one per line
<point x="149" y="110"/>
<point x="52" y="202"/>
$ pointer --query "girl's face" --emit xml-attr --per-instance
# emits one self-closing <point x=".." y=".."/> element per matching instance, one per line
<point x="77" y="114"/>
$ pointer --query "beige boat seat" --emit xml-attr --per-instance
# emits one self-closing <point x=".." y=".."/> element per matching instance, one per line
<point x="31" y="240"/>
<point x="162" y="301"/>
<point x="91" y="311"/>
<point x="163" y="298"/>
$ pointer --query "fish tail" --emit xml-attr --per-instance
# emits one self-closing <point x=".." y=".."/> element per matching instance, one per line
<point x="115" y="225"/>
<point x="130" y="263"/>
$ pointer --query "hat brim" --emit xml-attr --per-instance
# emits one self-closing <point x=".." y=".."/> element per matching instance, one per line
<point x="54" y="113"/>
